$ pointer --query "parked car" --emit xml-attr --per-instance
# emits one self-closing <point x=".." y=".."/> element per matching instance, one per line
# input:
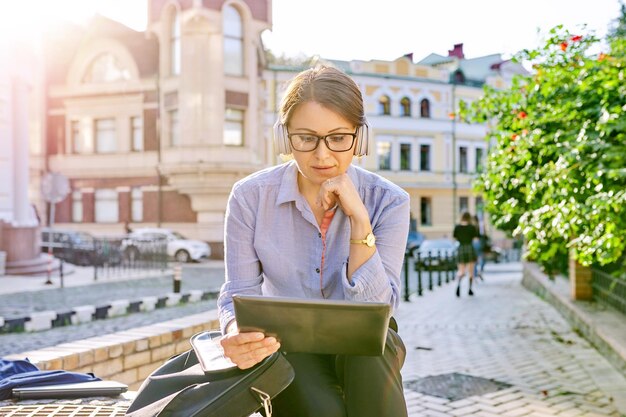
<point x="79" y="248"/>
<point x="178" y="247"/>
<point x="436" y="254"/>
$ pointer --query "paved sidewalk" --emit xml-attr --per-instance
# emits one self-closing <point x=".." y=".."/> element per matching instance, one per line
<point x="77" y="276"/>
<point x="21" y="295"/>
<point x="503" y="352"/>
<point x="506" y="334"/>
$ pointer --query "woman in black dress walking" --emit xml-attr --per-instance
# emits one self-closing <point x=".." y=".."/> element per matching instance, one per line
<point x="465" y="232"/>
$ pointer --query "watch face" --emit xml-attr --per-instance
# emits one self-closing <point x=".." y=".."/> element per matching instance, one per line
<point x="370" y="240"/>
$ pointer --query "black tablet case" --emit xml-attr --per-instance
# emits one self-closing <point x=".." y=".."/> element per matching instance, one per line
<point x="316" y="326"/>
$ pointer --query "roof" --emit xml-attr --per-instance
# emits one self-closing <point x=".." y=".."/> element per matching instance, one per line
<point x="435" y="59"/>
<point x="62" y="47"/>
<point x="479" y="68"/>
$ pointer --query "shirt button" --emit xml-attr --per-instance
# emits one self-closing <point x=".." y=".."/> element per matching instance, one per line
<point x="319" y="235"/>
<point x="317" y="270"/>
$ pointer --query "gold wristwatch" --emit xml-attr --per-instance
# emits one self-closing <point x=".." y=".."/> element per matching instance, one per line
<point x="369" y="240"/>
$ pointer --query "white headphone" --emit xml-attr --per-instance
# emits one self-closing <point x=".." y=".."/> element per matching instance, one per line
<point x="282" y="145"/>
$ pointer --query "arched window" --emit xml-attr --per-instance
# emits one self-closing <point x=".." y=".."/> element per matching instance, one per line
<point x="233" y="41"/>
<point x="405" y="103"/>
<point x="459" y="77"/>
<point x="106" y="68"/>
<point x="384" y="105"/>
<point x="425" y="108"/>
<point x="175" y="44"/>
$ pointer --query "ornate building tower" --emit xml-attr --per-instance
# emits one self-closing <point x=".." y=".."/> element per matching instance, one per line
<point x="153" y="128"/>
<point x="211" y="101"/>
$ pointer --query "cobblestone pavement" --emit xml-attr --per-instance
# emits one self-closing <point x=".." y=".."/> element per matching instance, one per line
<point x="105" y="290"/>
<point x="504" y="334"/>
<point x="507" y="334"/>
<point x="193" y="277"/>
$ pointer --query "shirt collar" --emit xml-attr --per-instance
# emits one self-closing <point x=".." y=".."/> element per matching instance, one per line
<point x="289" y="191"/>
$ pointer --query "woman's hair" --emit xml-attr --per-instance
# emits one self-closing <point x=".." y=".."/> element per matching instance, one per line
<point x="328" y="87"/>
<point x="466" y="217"/>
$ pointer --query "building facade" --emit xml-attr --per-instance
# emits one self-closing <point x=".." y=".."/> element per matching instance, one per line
<point x="418" y="140"/>
<point x="153" y="128"/>
<point x="21" y="114"/>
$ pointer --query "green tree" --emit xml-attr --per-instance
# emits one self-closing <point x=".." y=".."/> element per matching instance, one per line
<point x="556" y="169"/>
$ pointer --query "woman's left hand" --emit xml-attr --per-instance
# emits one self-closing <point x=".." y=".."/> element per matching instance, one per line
<point x="341" y="190"/>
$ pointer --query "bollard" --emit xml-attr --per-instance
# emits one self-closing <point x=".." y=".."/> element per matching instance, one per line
<point x="430" y="271"/>
<point x="61" y="274"/>
<point x="50" y="258"/>
<point x="420" y="290"/>
<point x="406" y="275"/>
<point x="177" y="276"/>
<point x="95" y="266"/>
<point x="439" y="265"/>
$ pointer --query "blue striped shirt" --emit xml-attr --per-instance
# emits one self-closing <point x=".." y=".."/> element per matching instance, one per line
<point x="273" y="244"/>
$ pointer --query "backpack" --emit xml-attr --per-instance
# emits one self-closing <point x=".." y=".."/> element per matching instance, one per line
<point x="201" y="382"/>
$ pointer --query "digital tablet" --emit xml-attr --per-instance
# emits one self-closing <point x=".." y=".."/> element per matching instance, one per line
<point x="316" y="326"/>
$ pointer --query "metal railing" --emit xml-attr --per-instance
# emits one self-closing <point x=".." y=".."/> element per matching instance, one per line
<point x="609" y="290"/>
<point x="114" y="256"/>
<point x="425" y="272"/>
<point x="124" y="256"/>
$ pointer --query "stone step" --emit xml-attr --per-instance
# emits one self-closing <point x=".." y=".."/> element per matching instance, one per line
<point x="35" y="266"/>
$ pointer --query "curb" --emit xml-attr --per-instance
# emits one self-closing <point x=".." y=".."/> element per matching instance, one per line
<point x="46" y="320"/>
<point x="604" y="328"/>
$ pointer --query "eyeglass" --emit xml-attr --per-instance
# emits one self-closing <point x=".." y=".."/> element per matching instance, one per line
<point x="336" y="142"/>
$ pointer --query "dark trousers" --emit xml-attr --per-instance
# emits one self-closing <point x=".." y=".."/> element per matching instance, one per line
<point x="345" y="385"/>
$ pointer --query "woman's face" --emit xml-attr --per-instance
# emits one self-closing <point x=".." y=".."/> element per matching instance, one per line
<point x="321" y="164"/>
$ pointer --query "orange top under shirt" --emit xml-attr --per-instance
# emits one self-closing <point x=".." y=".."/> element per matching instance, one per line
<point x="328" y="217"/>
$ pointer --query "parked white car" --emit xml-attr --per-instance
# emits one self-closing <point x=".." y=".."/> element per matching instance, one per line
<point x="178" y="247"/>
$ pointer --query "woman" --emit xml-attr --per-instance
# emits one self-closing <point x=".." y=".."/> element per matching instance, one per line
<point x="465" y="232"/>
<point x="319" y="227"/>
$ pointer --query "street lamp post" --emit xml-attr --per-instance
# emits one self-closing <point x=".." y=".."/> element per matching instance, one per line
<point x="54" y="188"/>
<point x="454" y="185"/>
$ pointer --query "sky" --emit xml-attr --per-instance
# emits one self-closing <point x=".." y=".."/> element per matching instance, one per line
<point x="362" y="29"/>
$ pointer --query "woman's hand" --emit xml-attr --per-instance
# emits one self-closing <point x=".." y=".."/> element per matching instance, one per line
<point x="341" y="189"/>
<point x="247" y="349"/>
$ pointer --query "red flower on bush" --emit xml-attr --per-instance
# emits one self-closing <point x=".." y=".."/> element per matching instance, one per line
<point x="576" y="38"/>
<point x="563" y="46"/>
<point x="522" y="114"/>
<point x="514" y="137"/>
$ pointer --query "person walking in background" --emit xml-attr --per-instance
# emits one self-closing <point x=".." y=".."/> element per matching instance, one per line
<point x="465" y="232"/>
<point x="479" y="248"/>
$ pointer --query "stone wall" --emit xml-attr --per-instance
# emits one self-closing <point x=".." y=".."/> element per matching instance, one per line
<point x="128" y="356"/>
